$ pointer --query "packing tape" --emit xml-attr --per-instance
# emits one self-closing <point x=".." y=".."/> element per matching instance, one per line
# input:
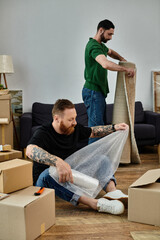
<point x="6" y="157"/>
<point x="42" y="228"/>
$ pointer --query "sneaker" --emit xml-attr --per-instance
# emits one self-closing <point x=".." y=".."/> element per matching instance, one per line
<point x="110" y="206"/>
<point x="117" y="195"/>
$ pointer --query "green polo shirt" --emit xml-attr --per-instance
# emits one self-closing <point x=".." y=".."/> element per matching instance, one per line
<point x="94" y="74"/>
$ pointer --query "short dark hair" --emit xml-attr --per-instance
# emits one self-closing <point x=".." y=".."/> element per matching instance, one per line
<point x="106" y="24"/>
<point x="60" y="105"/>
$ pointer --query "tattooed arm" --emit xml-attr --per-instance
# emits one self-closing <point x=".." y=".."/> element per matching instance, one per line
<point x="41" y="156"/>
<point x="101" y="131"/>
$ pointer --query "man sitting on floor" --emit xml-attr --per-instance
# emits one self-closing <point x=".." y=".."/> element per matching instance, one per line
<point x="52" y="143"/>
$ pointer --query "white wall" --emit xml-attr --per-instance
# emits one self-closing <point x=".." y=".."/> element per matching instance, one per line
<point x="47" y="38"/>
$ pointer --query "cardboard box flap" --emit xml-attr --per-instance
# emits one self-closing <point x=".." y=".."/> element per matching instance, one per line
<point x="24" y="197"/>
<point x="149" y="177"/>
<point x="20" y="201"/>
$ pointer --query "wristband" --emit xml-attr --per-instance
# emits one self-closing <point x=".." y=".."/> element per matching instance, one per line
<point x="113" y="128"/>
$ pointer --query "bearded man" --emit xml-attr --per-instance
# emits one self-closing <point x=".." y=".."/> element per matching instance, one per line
<point x="96" y="87"/>
<point x="52" y="143"/>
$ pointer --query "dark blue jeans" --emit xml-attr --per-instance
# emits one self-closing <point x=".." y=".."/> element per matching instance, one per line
<point x="96" y="108"/>
<point x="45" y="180"/>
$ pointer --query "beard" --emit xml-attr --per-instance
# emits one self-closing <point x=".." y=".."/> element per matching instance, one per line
<point x="103" y="39"/>
<point x="67" y="130"/>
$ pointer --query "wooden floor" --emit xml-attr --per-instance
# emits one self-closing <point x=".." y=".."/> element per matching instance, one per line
<point x="82" y="223"/>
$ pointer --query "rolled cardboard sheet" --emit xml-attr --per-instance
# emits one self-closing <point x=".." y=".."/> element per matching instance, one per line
<point x="123" y="111"/>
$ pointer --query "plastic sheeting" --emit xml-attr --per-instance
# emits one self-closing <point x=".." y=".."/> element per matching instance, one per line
<point x="94" y="165"/>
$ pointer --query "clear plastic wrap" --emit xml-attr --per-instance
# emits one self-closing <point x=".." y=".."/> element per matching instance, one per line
<point x="94" y="165"/>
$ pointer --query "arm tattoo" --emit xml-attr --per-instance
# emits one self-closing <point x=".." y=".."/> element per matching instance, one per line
<point x="101" y="131"/>
<point x="41" y="156"/>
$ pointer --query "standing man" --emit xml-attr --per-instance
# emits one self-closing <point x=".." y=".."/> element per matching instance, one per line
<point x="95" y="89"/>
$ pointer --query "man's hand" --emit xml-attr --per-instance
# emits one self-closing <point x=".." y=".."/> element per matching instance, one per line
<point x="41" y="156"/>
<point x="121" y="126"/>
<point x="64" y="171"/>
<point x="123" y="59"/>
<point x="130" y="72"/>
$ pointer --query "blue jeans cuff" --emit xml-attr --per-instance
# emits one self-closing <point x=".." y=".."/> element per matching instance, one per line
<point x="74" y="199"/>
<point x="111" y="179"/>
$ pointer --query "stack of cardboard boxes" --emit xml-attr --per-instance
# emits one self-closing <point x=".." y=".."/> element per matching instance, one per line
<point x="6" y="129"/>
<point x="23" y="215"/>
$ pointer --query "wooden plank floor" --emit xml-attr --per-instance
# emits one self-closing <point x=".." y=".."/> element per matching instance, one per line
<point x="82" y="223"/>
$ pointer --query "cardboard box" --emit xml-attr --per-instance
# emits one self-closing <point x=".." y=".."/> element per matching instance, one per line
<point x="25" y="216"/>
<point x="144" y="199"/>
<point x="15" y="175"/>
<point x="6" y="134"/>
<point x="5" y="106"/>
<point x="5" y="156"/>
